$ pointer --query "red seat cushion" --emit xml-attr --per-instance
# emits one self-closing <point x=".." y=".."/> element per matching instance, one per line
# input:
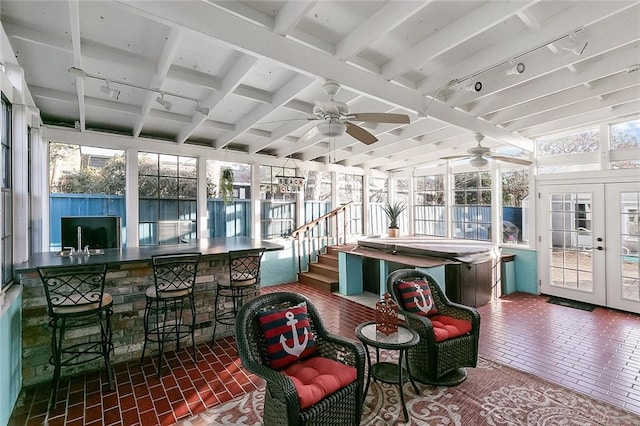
<point x="317" y="377"/>
<point x="416" y="298"/>
<point x="445" y="327"/>
<point x="278" y="328"/>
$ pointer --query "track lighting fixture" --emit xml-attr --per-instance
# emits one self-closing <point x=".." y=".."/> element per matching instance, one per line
<point x="165" y="103"/>
<point x="473" y="87"/>
<point x="202" y="110"/>
<point x="113" y="93"/>
<point x="516" y="69"/>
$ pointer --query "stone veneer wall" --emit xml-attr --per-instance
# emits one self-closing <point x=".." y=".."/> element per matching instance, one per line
<point x="127" y="284"/>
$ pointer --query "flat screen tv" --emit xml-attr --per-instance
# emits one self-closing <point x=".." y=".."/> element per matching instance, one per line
<point x="98" y="232"/>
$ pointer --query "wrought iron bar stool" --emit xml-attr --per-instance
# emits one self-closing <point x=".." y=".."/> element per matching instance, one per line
<point x="164" y="315"/>
<point x="244" y="279"/>
<point x="75" y="299"/>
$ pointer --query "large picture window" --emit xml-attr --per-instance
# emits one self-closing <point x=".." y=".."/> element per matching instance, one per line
<point x="84" y="181"/>
<point x="229" y="217"/>
<point x="471" y="212"/>
<point x="167" y="196"/>
<point x="278" y="209"/>
<point x="350" y="188"/>
<point x="429" y="209"/>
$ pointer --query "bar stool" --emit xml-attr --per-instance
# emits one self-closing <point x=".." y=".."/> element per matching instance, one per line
<point x="76" y="299"/>
<point x="244" y="279"/>
<point x="174" y="280"/>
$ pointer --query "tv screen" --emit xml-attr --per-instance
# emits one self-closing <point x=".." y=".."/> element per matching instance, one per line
<point x="98" y="232"/>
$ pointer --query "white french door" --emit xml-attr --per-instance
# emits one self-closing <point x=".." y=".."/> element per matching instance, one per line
<point x="588" y="243"/>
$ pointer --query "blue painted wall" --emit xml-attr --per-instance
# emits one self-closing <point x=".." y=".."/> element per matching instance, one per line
<point x="10" y="351"/>
<point x="279" y="266"/>
<point x="525" y="269"/>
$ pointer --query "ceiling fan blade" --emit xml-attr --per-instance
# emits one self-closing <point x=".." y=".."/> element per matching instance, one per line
<point x="359" y="133"/>
<point x="455" y="157"/>
<point x="380" y="117"/>
<point x="285" y="120"/>
<point x="308" y="135"/>
<point x="508" y="159"/>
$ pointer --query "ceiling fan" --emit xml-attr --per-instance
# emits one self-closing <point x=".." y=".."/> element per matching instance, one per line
<point x="334" y="115"/>
<point x="479" y="155"/>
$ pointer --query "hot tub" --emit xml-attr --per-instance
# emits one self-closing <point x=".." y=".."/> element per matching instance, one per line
<point x="470" y="281"/>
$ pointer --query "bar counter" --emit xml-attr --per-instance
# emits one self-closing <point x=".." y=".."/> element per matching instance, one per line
<point x="129" y="274"/>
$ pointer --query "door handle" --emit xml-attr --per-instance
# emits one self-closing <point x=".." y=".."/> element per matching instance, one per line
<point x="600" y="248"/>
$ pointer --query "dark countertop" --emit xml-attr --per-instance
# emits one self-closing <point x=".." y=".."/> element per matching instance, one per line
<point x="206" y="246"/>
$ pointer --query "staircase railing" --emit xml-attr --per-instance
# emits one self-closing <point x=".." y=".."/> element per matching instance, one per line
<point x="310" y="232"/>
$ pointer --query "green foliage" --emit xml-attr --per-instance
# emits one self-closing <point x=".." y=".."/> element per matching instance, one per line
<point x="226" y="185"/>
<point x="109" y="179"/>
<point x="393" y="212"/>
<point x="515" y="187"/>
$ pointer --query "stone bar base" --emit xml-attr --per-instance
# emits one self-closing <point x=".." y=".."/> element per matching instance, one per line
<point x="127" y="283"/>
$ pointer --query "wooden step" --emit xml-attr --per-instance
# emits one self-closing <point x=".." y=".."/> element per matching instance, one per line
<point x="328" y="271"/>
<point x="328" y="260"/>
<point x="318" y="281"/>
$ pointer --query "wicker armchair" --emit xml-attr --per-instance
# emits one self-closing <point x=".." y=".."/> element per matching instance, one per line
<point x="431" y="362"/>
<point x="281" y="405"/>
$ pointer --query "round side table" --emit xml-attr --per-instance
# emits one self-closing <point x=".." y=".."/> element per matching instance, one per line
<point x="388" y="372"/>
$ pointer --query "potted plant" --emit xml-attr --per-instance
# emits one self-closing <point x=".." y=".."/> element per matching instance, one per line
<point x="226" y="184"/>
<point x="393" y="212"/>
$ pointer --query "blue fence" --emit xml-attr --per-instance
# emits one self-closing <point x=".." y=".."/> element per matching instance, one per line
<point x="61" y="205"/>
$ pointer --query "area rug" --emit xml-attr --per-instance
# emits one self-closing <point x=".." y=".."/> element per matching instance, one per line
<point x="493" y="394"/>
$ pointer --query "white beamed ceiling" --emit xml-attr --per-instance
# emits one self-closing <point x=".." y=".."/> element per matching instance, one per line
<point x="260" y="65"/>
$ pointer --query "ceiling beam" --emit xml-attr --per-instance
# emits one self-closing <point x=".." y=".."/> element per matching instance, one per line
<point x="290" y="15"/>
<point x="385" y="20"/>
<point x="454" y="34"/>
<point x="231" y="81"/>
<point x="164" y="63"/>
<point x="74" y="25"/>
<point x="246" y="37"/>
<point x="281" y="97"/>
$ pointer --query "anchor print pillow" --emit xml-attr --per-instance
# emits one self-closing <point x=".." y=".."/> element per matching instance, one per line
<point x="416" y="297"/>
<point x="287" y="335"/>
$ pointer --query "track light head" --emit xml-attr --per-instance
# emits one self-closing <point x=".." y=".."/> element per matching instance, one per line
<point x="516" y="69"/>
<point x="162" y="101"/>
<point x="113" y="93"/>
<point x="473" y="87"/>
<point x="202" y="110"/>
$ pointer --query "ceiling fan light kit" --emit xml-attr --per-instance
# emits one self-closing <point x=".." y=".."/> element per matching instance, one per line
<point x="478" y="161"/>
<point x="332" y="128"/>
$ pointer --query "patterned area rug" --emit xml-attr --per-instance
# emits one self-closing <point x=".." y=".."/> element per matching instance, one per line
<point x="493" y="394"/>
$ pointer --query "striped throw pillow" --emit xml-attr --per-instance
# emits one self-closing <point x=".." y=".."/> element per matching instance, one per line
<point x="287" y="335"/>
<point x="415" y="297"/>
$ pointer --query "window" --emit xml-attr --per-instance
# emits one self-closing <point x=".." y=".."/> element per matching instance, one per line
<point x="378" y="197"/>
<point x="233" y="217"/>
<point x="317" y="195"/>
<point x="350" y="188"/>
<point x="6" y="206"/>
<point x="84" y="181"/>
<point x="429" y="206"/>
<point x="278" y="209"/>
<point x="625" y="136"/>
<point x="515" y="212"/>
<point x="471" y="212"/>
<point x="167" y="198"/>
<point x="583" y="141"/>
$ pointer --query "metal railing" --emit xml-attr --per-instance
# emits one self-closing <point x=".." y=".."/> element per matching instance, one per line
<point x="319" y="233"/>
